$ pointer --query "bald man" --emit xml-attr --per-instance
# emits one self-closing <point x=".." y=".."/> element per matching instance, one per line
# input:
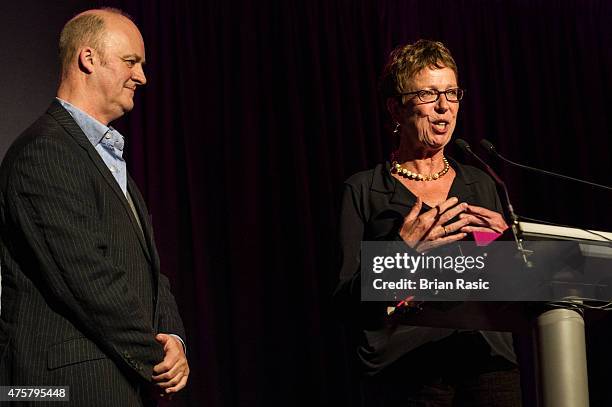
<point x="83" y="301"/>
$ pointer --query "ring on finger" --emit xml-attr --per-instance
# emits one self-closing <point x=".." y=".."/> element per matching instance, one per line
<point x="445" y="231"/>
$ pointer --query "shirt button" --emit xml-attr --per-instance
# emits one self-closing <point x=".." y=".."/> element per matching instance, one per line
<point x="113" y="168"/>
<point x="108" y="136"/>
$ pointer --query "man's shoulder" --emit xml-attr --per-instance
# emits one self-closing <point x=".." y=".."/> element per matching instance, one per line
<point x="43" y="139"/>
<point x="46" y="128"/>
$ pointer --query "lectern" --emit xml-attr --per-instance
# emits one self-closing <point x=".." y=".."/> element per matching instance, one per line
<point x="560" y="332"/>
<point x="558" y="325"/>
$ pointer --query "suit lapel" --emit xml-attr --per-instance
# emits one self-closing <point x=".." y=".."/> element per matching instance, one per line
<point x="145" y="221"/>
<point x="67" y="122"/>
<point x="147" y="229"/>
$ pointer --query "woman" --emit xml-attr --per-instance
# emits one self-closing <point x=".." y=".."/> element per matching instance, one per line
<point x="427" y="200"/>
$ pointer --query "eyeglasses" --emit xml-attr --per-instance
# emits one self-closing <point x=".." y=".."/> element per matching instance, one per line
<point x="432" y="95"/>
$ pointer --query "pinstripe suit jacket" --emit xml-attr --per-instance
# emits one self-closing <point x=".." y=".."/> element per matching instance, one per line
<point x="82" y="294"/>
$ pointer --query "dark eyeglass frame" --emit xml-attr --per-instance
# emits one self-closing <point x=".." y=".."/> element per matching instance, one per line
<point x="418" y="93"/>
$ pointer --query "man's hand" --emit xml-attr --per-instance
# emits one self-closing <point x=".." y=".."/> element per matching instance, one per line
<point x="171" y="374"/>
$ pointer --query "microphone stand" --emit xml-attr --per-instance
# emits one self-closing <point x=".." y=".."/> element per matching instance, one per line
<point x="514" y="219"/>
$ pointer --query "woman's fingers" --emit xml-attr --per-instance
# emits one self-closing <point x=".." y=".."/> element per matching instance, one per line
<point x="430" y="229"/>
<point x="409" y="229"/>
<point x="479" y="210"/>
<point x="431" y="224"/>
<point x="485" y="217"/>
<point x="432" y="244"/>
<point x="455" y="226"/>
<point x="444" y="206"/>
<point x="452" y="212"/>
<point x="470" y="229"/>
<point x="414" y="212"/>
<point x="474" y="220"/>
<point x="416" y="226"/>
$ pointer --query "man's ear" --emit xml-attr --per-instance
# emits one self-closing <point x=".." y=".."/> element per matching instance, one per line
<point x="87" y="59"/>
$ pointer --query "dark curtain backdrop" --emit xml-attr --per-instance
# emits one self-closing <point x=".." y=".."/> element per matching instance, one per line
<point x="256" y="111"/>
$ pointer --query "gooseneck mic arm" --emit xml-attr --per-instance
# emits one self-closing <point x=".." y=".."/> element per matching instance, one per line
<point x="490" y="148"/>
<point x="465" y="147"/>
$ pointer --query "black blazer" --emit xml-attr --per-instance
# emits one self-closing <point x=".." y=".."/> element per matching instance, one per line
<point x="374" y="205"/>
<point x="82" y="293"/>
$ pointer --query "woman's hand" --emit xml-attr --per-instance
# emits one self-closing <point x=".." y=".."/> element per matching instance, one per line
<point x="429" y="230"/>
<point x="483" y="220"/>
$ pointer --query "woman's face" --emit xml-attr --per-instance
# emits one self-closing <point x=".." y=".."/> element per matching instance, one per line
<point x="428" y="126"/>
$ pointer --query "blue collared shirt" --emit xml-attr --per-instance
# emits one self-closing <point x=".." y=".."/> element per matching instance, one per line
<point x="107" y="141"/>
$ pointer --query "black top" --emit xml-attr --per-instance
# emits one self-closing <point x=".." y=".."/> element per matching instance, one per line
<point x="374" y="205"/>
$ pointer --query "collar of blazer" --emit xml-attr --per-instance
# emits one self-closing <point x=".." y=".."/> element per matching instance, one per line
<point x="383" y="182"/>
<point x="72" y="128"/>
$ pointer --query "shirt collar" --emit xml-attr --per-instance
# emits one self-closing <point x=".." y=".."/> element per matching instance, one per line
<point x="93" y="129"/>
<point x="384" y="182"/>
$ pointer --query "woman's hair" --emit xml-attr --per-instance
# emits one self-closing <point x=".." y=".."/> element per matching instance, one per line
<point x="407" y="60"/>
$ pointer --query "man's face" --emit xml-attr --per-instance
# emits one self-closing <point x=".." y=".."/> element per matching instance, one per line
<point x="429" y="126"/>
<point x="121" y="68"/>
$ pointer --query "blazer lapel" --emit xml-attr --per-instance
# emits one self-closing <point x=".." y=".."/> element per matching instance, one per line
<point x="67" y="122"/>
<point x="147" y="229"/>
<point x="145" y="221"/>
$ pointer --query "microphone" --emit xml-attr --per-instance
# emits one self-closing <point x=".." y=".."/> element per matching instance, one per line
<point x="490" y="148"/>
<point x="465" y="147"/>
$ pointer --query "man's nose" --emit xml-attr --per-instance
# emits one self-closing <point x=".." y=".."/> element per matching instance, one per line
<point x="138" y="75"/>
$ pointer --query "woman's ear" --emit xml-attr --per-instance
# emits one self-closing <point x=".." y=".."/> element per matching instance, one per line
<point x="394" y="107"/>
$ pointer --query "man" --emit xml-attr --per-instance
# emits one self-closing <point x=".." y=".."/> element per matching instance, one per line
<point x="83" y="300"/>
